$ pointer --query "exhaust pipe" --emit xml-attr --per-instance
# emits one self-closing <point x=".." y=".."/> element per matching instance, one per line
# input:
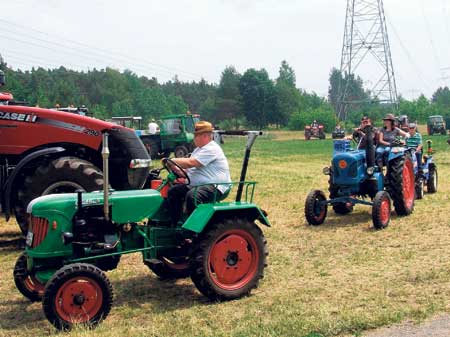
<point x="105" y="156"/>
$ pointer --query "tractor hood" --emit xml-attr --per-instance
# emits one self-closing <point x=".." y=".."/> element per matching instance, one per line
<point x="127" y="206"/>
<point x="349" y="167"/>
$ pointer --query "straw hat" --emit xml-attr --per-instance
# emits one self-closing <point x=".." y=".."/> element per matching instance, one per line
<point x="203" y="127"/>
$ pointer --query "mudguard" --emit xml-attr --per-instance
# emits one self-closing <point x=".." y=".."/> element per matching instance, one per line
<point x="202" y="215"/>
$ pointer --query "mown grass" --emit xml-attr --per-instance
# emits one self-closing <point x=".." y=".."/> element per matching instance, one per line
<point x="336" y="279"/>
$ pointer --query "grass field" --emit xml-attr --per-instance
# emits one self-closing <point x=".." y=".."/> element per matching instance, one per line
<point x="336" y="279"/>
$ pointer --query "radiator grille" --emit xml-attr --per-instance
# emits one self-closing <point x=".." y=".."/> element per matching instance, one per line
<point x="39" y="228"/>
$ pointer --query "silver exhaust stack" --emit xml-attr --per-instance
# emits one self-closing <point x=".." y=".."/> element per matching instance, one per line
<point x="105" y="156"/>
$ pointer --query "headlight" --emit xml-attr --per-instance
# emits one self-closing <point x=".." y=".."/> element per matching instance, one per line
<point x="326" y="171"/>
<point x="370" y="171"/>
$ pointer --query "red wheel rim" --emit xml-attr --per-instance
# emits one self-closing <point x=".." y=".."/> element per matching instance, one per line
<point x="385" y="211"/>
<point x="33" y="284"/>
<point x="233" y="259"/>
<point x="408" y="184"/>
<point x="78" y="300"/>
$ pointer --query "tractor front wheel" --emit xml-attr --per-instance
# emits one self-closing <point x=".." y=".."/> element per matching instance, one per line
<point x="419" y="188"/>
<point x="432" y="182"/>
<point x="229" y="259"/>
<point x="27" y="283"/>
<point x="77" y="294"/>
<point x="401" y="184"/>
<point x="315" y="210"/>
<point x="381" y="210"/>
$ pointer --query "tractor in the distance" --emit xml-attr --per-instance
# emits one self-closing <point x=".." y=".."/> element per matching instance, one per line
<point x="75" y="237"/>
<point x="338" y="132"/>
<point x="314" y="130"/>
<point x="354" y="176"/>
<point x="45" y="151"/>
<point x="427" y="175"/>
<point x="436" y="124"/>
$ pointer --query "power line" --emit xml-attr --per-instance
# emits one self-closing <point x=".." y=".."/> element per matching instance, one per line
<point x="91" y="51"/>
<point x="408" y="55"/>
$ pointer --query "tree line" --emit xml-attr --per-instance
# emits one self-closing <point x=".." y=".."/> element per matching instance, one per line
<point x="250" y="99"/>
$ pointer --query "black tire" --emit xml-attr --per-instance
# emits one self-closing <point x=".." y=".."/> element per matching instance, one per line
<point x="419" y="188"/>
<point x="62" y="175"/>
<point x="432" y="183"/>
<point x="65" y="302"/>
<point x="152" y="146"/>
<point x="314" y="213"/>
<point x="220" y="273"/>
<point x="400" y="184"/>
<point x="443" y="132"/>
<point x="28" y="285"/>
<point x="322" y="136"/>
<point x="381" y="210"/>
<point x="171" y="269"/>
<point x="181" y="151"/>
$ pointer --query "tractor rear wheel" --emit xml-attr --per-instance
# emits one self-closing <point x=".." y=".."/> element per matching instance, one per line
<point x="62" y="175"/>
<point x="28" y="285"/>
<point x="229" y="259"/>
<point x="400" y="178"/>
<point x="315" y="212"/>
<point x="78" y="293"/>
<point x="381" y="210"/>
<point x="432" y="182"/>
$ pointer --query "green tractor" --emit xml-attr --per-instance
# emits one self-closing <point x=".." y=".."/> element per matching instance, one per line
<point x="176" y="135"/>
<point x="74" y="238"/>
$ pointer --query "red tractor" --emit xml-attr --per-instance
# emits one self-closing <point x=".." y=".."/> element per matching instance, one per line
<point x="44" y="151"/>
<point x="314" y="130"/>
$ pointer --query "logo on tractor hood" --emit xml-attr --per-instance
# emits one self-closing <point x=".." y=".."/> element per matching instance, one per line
<point x="13" y="116"/>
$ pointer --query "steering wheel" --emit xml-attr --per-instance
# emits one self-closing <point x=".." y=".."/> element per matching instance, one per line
<point x="177" y="170"/>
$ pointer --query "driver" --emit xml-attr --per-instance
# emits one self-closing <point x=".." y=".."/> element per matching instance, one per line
<point x="359" y="135"/>
<point x="206" y="165"/>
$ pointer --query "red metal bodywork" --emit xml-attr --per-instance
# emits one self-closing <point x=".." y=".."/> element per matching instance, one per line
<point x="24" y="128"/>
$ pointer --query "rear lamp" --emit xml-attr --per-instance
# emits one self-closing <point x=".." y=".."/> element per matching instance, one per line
<point x="370" y="170"/>
<point x="342" y="164"/>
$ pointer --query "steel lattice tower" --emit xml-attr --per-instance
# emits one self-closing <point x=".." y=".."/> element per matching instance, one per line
<point x="366" y="52"/>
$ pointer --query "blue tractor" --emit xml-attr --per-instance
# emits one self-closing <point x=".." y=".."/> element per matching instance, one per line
<point x="355" y="177"/>
<point x="427" y="174"/>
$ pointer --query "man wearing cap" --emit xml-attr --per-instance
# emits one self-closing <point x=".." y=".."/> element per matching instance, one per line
<point x="359" y="135"/>
<point x="206" y="165"/>
<point x="415" y="141"/>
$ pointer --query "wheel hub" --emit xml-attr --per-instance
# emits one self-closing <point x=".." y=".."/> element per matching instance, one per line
<point x="78" y="299"/>
<point x="232" y="258"/>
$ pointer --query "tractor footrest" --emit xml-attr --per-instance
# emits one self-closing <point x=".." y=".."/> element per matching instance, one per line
<point x="154" y="264"/>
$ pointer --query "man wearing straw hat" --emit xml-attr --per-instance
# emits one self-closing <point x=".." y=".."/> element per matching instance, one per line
<point x="206" y="166"/>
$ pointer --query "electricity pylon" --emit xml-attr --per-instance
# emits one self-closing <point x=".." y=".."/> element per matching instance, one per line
<point x="366" y="53"/>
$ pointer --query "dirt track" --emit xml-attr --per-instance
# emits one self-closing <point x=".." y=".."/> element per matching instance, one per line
<point x="436" y="327"/>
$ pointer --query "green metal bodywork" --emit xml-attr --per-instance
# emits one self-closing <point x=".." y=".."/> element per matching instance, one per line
<point x="139" y="218"/>
<point x="177" y="130"/>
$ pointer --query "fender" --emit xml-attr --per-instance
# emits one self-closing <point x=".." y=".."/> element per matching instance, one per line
<point x="26" y="160"/>
<point x="202" y="215"/>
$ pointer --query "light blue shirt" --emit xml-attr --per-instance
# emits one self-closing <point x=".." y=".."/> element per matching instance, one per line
<point x="214" y="167"/>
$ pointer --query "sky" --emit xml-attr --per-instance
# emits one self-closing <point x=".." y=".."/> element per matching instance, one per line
<point x="196" y="39"/>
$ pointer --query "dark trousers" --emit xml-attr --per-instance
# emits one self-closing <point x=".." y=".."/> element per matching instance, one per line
<point x="419" y="160"/>
<point x="181" y="192"/>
